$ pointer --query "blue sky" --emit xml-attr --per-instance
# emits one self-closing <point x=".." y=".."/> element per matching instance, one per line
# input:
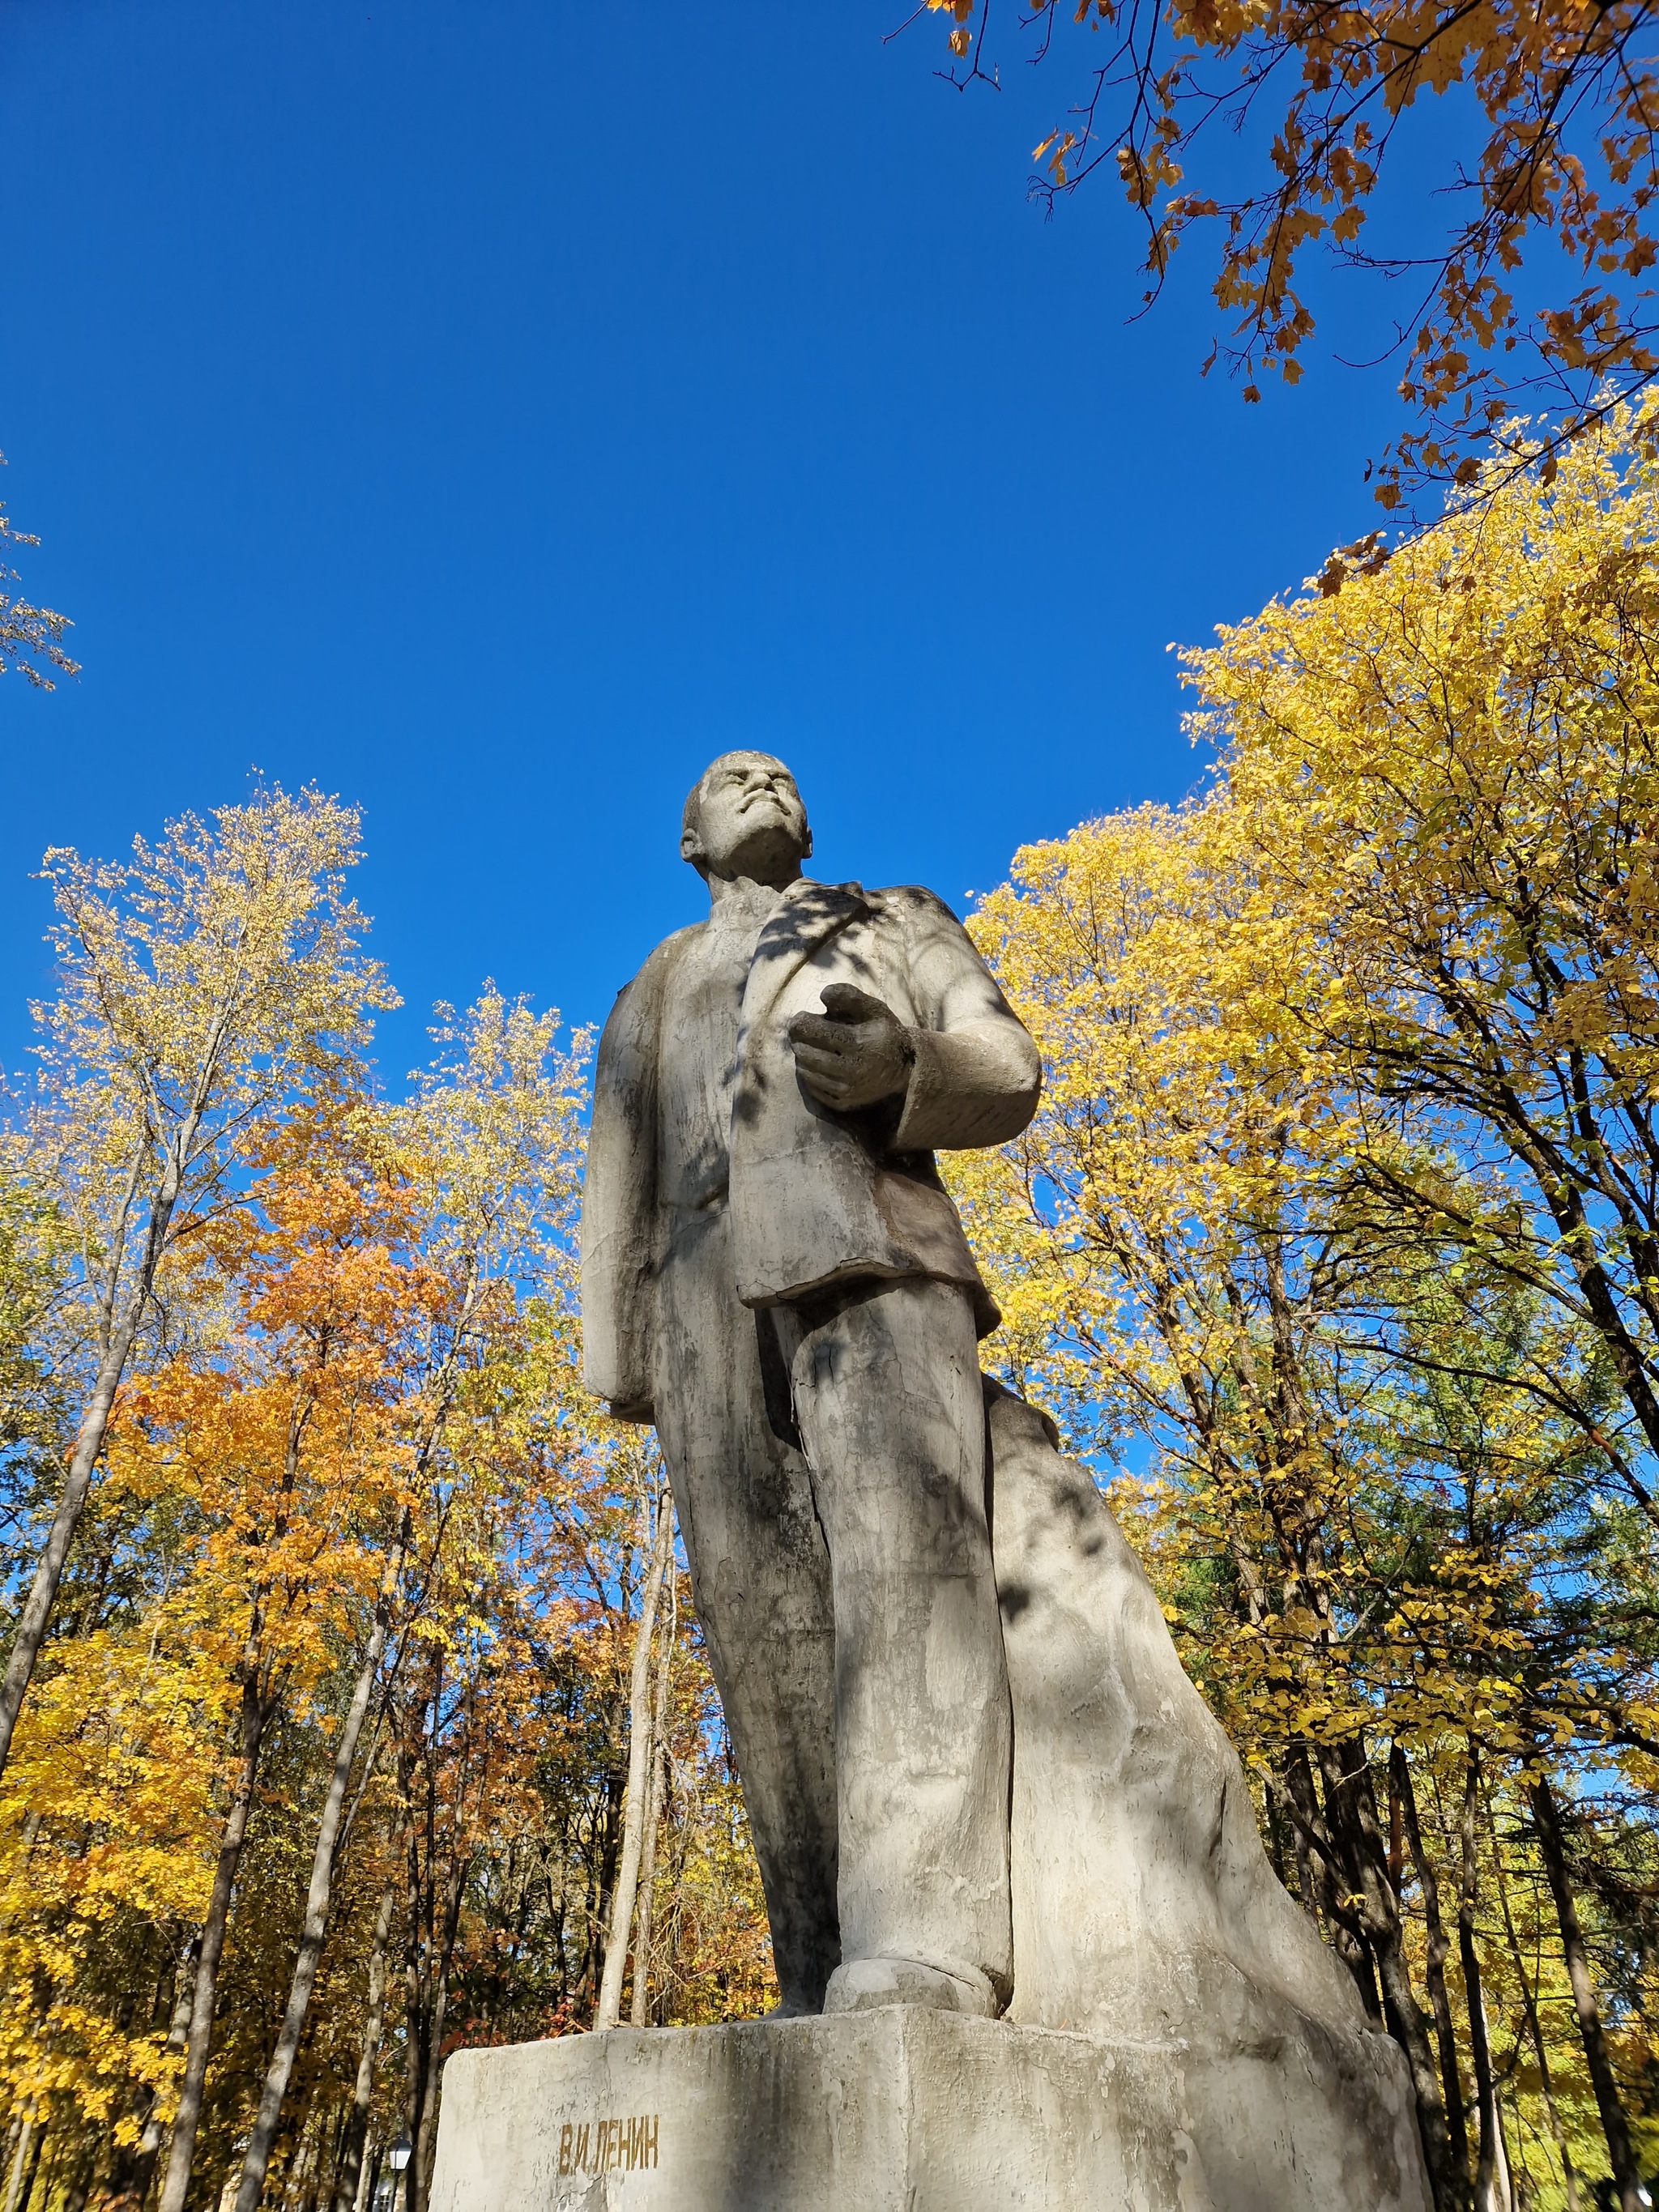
<point x="491" y="410"/>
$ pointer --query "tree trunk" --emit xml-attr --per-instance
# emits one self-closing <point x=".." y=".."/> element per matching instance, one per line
<point x="608" y="2011"/>
<point x="49" y="1568"/>
<point x="431" y="1945"/>
<point x="137" y="2173"/>
<point x="327" y="2160"/>
<point x="1500" y="2197"/>
<point x="1626" y="2181"/>
<point x="318" y="1899"/>
<point x="370" y="2180"/>
<point x="294" y="2153"/>
<point x="641" y="2012"/>
<point x="20" y="2160"/>
<point x="1318" y="1875"/>
<point x="1298" y="1787"/>
<point x="256" y="1712"/>
<point x="1438" y="1949"/>
<point x="349" y="2169"/>
<point x="88" y="1442"/>
<point x="415" y="2006"/>
<point x="424" y="2148"/>
<point x="1352" y="1821"/>
<point x="420" y="2055"/>
<point x="1535" y="2030"/>
<point x="607" y="1840"/>
<point x="1485" y="2165"/>
<point x="32" y="2170"/>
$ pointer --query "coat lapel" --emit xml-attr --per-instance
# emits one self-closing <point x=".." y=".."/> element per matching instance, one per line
<point x="806" y="916"/>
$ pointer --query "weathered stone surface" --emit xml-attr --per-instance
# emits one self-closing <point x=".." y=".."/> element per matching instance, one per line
<point x="907" y="2110"/>
<point x="1144" y="1905"/>
<point x="773" y="1271"/>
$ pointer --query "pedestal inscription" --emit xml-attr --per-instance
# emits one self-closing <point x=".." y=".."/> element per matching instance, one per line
<point x="909" y="2109"/>
<point x="597" y="2145"/>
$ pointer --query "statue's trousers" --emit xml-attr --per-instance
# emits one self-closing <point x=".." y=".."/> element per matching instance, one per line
<point x="842" y="1575"/>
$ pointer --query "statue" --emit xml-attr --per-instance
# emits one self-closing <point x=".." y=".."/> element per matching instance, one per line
<point x="773" y="1271"/>
<point x="1029" y="1947"/>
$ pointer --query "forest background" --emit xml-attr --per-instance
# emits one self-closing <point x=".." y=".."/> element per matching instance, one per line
<point x="354" y="1706"/>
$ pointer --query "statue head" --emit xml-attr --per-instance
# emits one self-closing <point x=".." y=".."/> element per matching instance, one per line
<point x="745" y="817"/>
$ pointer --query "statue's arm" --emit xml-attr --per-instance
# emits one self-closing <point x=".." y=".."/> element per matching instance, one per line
<point x="620" y="1231"/>
<point x="975" y="1073"/>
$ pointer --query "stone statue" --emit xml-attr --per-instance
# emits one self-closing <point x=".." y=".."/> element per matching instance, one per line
<point x="1030" y="1950"/>
<point x="773" y="1271"/>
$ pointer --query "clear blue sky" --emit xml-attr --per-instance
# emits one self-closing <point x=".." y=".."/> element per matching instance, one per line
<point x="491" y="410"/>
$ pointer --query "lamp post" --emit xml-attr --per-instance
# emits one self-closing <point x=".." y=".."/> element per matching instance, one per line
<point x="397" y="2158"/>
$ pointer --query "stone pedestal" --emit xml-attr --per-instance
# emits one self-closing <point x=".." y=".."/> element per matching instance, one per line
<point x="903" y="2109"/>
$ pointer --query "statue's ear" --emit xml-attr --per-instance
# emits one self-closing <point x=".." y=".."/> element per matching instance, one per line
<point x="690" y="846"/>
<point x="806" y="849"/>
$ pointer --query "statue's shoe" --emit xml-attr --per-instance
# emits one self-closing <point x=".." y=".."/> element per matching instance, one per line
<point x="792" y="2009"/>
<point x="860" y="1984"/>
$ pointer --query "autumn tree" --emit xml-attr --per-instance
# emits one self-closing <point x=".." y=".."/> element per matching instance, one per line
<point x="1379" y="1544"/>
<point x="287" y="1444"/>
<point x="203" y="985"/>
<point x="1446" y="760"/>
<point x="1450" y="763"/>
<point x="1554" y="170"/>
<point x="31" y="637"/>
<point x="1340" y="1202"/>
<point x="491" y="1149"/>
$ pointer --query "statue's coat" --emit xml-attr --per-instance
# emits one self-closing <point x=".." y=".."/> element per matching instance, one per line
<point x="816" y="1198"/>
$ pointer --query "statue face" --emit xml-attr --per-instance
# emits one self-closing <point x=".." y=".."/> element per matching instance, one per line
<point x="749" y="820"/>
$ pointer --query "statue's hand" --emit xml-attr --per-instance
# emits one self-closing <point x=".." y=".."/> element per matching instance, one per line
<point x="854" y="1055"/>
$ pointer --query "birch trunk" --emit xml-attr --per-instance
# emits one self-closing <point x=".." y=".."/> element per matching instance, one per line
<point x="25" y="2138"/>
<point x="141" y="2172"/>
<point x="318" y="1899"/>
<point x="369" y="2181"/>
<point x="350" y="2171"/>
<point x="641" y="2012"/>
<point x="256" y="1712"/>
<point x="26" y="2197"/>
<point x="608" y="2011"/>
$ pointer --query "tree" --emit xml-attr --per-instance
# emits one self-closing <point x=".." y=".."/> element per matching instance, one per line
<point x="31" y="637"/>
<point x="1445" y="760"/>
<point x="1558" y="166"/>
<point x="1387" y="1553"/>
<point x="1163" y="1210"/>
<point x="210" y="981"/>
<point x="288" y="1445"/>
<point x="490" y="1150"/>
<point x="1449" y="766"/>
<point x="641" y="1786"/>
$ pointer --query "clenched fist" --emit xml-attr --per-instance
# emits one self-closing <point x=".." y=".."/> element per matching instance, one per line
<point x="853" y="1055"/>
